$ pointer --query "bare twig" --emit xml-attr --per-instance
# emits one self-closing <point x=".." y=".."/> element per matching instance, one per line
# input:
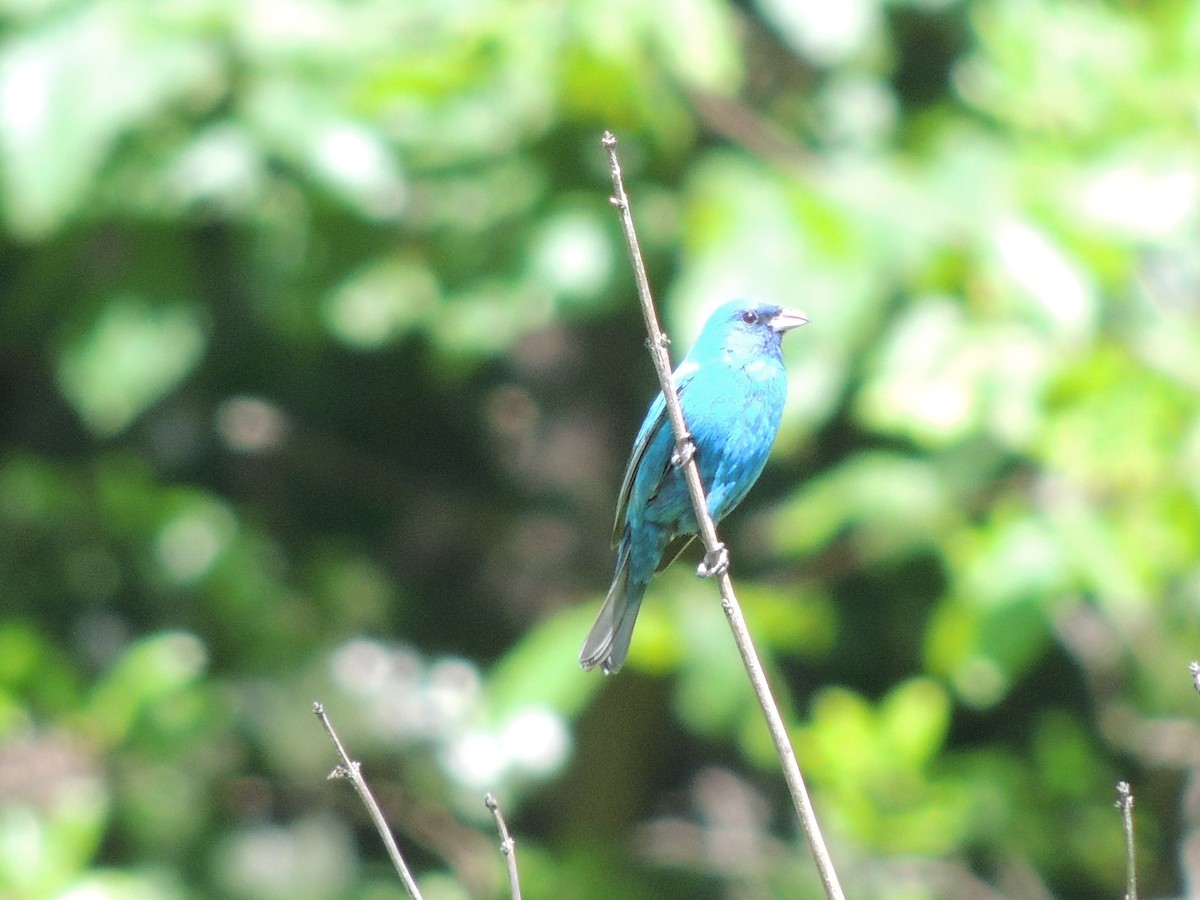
<point x="351" y="769"/>
<point x="1125" y="805"/>
<point x="507" y="846"/>
<point x="716" y="559"/>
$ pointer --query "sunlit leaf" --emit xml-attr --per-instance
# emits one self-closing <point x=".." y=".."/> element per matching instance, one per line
<point x="133" y="355"/>
<point x="69" y="91"/>
<point x="153" y="668"/>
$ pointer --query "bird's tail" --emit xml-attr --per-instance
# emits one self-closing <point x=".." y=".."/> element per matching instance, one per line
<point x="607" y="644"/>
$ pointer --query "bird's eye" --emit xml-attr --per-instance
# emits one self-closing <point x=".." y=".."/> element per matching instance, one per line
<point x="750" y="317"/>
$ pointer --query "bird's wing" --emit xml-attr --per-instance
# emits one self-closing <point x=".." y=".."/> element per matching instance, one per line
<point x="678" y="544"/>
<point x="656" y="420"/>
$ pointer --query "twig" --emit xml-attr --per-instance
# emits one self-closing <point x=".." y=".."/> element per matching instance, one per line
<point x="351" y="769"/>
<point x="507" y="846"/>
<point x="1125" y="805"/>
<point x="716" y="559"/>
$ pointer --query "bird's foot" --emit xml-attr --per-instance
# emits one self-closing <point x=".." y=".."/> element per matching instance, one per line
<point x="715" y="563"/>
<point x="685" y="451"/>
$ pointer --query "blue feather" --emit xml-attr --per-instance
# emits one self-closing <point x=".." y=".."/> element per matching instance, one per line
<point x="731" y="385"/>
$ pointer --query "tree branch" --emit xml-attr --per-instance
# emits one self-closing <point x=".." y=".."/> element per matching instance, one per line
<point x="1125" y="805"/>
<point x="507" y="846"/>
<point x="716" y="560"/>
<point x="349" y="768"/>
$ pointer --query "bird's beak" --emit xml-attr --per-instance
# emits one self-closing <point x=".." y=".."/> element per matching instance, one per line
<point x="787" y="319"/>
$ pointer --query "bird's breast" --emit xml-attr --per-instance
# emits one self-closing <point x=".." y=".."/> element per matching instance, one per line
<point x="761" y="369"/>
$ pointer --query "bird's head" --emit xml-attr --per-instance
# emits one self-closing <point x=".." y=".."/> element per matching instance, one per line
<point x="747" y="327"/>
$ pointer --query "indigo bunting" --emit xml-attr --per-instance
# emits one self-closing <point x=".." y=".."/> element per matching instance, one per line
<point x="732" y="386"/>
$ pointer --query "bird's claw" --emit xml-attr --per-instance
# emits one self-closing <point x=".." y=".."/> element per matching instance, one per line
<point x="715" y="563"/>
<point x="684" y="452"/>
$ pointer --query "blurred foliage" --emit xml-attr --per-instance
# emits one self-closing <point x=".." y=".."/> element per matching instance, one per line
<point x="319" y="364"/>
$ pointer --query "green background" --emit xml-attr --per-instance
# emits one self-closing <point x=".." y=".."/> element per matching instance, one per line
<point x="319" y="362"/>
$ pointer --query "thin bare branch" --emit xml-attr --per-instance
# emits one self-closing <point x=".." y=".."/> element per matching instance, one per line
<point x="351" y="769"/>
<point x="1125" y="805"/>
<point x="716" y="559"/>
<point x="507" y="846"/>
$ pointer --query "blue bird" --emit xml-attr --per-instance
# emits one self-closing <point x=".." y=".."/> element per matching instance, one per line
<point x="732" y="386"/>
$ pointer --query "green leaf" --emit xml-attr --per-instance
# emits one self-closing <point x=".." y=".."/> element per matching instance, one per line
<point x="70" y="91"/>
<point x="133" y="356"/>
<point x="149" y="670"/>
<point x="542" y="670"/>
